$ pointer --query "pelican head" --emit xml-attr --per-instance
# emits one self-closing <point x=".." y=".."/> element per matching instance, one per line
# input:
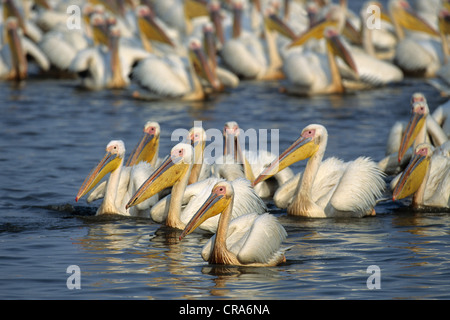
<point x="99" y="28"/>
<point x="216" y="18"/>
<point x="112" y="160"/>
<point x="172" y="170"/>
<point x="304" y="147"/>
<point x="197" y="138"/>
<point x="147" y="147"/>
<point x="335" y="18"/>
<point x="419" y="112"/>
<point x="149" y="27"/>
<point x="231" y="135"/>
<point x="201" y="65"/>
<point x="274" y="23"/>
<point x="405" y="17"/>
<point x="414" y="174"/>
<point x="220" y="198"/>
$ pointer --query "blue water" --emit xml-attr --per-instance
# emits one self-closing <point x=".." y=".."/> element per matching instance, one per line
<point x="53" y="133"/>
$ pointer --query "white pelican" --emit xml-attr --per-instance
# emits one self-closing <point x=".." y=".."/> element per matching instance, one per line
<point x="252" y="161"/>
<point x="249" y="240"/>
<point x="14" y="51"/>
<point x="200" y="169"/>
<point x="227" y="78"/>
<point x="20" y="11"/>
<point x="115" y="198"/>
<point x="311" y="72"/>
<point x="427" y="178"/>
<point x="174" y="76"/>
<point x="145" y="151"/>
<point x="175" y="172"/>
<point x="419" y="50"/>
<point x="332" y="188"/>
<point x="108" y="67"/>
<point x="365" y="70"/>
<point x="244" y="54"/>
<point x="420" y="128"/>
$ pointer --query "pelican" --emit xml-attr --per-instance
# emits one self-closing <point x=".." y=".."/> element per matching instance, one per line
<point x="108" y="67"/>
<point x="311" y="72"/>
<point x="14" y="51"/>
<point x="249" y="240"/>
<point x="418" y="52"/>
<point x="200" y="169"/>
<point x="331" y="188"/>
<point x="427" y="178"/>
<point x="365" y="70"/>
<point x="175" y="172"/>
<point x="244" y="54"/>
<point x="115" y="199"/>
<point x="416" y="131"/>
<point x="173" y="77"/>
<point x="252" y="161"/>
<point x="145" y="151"/>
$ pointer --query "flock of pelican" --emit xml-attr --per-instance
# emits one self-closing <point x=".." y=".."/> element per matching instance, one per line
<point x="186" y="191"/>
<point x="192" y="49"/>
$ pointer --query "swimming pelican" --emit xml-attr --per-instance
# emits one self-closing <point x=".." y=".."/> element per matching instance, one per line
<point x="331" y="188"/>
<point x="14" y="51"/>
<point x="311" y="72"/>
<point x="115" y="197"/>
<point x="419" y="50"/>
<point x="245" y="55"/>
<point x="418" y="125"/>
<point x="175" y="172"/>
<point x="175" y="77"/>
<point x="249" y="240"/>
<point x="368" y="71"/>
<point x="252" y="161"/>
<point x="420" y="128"/>
<point x="145" y="151"/>
<point x="200" y="169"/>
<point x="427" y="178"/>
<point x="108" y="67"/>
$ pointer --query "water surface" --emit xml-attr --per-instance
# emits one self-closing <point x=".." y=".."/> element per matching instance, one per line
<point x="53" y="133"/>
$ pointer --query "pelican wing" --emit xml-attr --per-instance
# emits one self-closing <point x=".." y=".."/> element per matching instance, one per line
<point x="374" y="71"/>
<point x="359" y="187"/>
<point x="261" y="241"/>
<point x="59" y="51"/>
<point x="437" y="191"/>
<point x="166" y="77"/>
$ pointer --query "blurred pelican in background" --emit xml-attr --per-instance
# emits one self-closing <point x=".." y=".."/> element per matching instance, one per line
<point x="14" y="50"/>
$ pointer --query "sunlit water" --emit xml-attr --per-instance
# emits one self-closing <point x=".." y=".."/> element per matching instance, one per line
<point x="53" y="133"/>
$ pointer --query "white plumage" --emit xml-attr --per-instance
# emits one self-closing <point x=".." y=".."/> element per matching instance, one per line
<point x="246" y="201"/>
